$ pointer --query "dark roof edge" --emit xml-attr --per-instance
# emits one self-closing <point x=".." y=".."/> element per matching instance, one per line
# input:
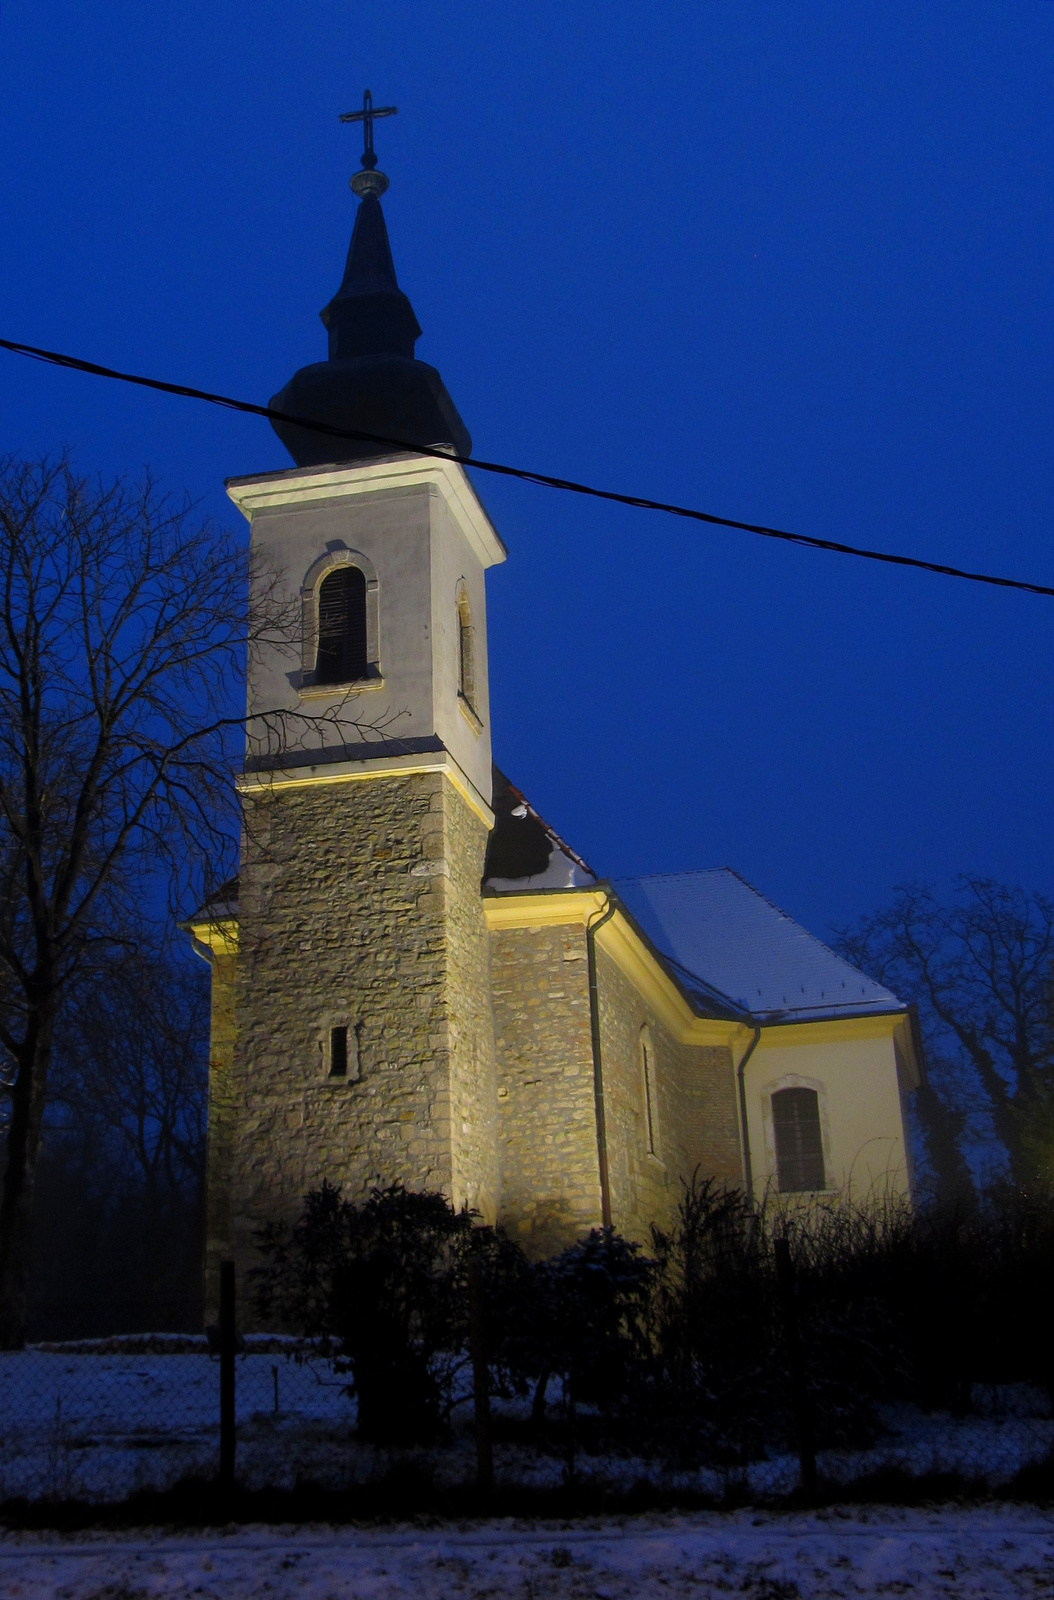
<point x="219" y="906"/>
<point x="788" y="1019"/>
<point x="560" y="843"/>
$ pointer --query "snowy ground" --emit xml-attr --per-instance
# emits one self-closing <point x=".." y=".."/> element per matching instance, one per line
<point x="972" y="1554"/>
<point x="101" y="1426"/>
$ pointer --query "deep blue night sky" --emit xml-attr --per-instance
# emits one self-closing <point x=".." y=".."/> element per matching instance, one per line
<point x="786" y="263"/>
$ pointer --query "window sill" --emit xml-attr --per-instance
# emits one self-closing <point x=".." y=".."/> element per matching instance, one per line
<point x="328" y="691"/>
<point x="469" y="714"/>
<point x="806" y="1194"/>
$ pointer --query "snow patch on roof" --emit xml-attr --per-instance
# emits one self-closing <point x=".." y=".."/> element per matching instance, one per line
<point x="713" y="927"/>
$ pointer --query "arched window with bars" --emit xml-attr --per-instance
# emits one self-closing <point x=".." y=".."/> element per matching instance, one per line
<point x="799" y="1141"/>
<point x="342" y="644"/>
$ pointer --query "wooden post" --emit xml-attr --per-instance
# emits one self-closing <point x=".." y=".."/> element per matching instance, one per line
<point x="480" y="1379"/>
<point x="228" y="1341"/>
<point x="801" y="1404"/>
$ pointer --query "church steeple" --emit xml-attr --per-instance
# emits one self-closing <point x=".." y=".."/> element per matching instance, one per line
<point x="369" y="314"/>
<point x="371" y="381"/>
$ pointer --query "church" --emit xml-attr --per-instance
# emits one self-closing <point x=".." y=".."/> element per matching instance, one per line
<point x="415" y="978"/>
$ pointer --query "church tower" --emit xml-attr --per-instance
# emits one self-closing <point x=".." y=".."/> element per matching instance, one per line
<point x="351" y="978"/>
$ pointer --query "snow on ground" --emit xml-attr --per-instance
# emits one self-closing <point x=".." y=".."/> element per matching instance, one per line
<point x="976" y="1553"/>
<point x="101" y="1426"/>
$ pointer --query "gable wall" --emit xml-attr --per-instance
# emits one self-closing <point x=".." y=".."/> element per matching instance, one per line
<point x="861" y="1105"/>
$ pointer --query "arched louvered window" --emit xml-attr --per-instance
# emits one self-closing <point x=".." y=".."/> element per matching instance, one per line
<point x="466" y="665"/>
<point x="799" y="1142"/>
<point x="342" y="627"/>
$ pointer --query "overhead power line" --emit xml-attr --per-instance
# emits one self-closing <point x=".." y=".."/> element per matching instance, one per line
<point x="77" y="364"/>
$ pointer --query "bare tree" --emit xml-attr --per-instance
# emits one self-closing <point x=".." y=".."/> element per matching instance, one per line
<point x="133" y="1067"/>
<point x="979" y="968"/>
<point x="122" y="628"/>
<point x="120" y="1187"/>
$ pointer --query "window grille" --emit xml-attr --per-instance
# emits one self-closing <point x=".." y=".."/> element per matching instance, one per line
<point x="799" y="1142"/>
<point x="342" y="627"/>
<point x="338" y="1052"/>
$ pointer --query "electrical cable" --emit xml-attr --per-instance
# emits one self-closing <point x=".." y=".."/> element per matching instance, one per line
<point x="568" y="485"/>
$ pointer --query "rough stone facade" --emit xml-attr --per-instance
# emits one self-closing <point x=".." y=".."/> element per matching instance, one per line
<point x="694" y="1108"/>
<point x="359" y="906"/>
<point x="550" y="1172"/>
<point x="474" y="1071"/>
<point x="476" y="1169"/>
<point x="550" y="1159"/>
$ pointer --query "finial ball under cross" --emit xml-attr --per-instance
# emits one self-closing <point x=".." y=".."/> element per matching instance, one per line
<point x="366" y="117"/>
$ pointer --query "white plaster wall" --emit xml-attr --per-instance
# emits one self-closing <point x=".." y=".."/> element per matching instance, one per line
<point x="453" y="561"/>
<point x="392" y="529"/>
<point x="865" y="1154"/>
<point x="419" y="553"/>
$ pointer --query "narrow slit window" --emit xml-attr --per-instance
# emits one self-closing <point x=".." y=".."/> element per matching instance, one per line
<point x="466" y="667"/>
<point x="342" y="627"/>
<point x="799" y="1141"/>
<point x="338" y="1052"/>
<point x="650" y="1117"/>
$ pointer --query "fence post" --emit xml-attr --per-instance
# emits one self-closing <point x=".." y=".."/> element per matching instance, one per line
<point x="228" y="1341"/>
<point x="801" y="1404"/>
<point x="480" y="1378"/>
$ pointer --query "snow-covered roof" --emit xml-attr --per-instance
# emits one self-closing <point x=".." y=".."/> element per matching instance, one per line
<point x="725" y="941"/>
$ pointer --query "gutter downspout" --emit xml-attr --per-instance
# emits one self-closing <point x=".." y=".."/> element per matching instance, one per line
<point x="592" y="928"/>
<point x="748" y="1174"/>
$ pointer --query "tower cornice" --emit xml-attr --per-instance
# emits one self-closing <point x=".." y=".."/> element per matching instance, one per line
<point x="269" y="491"/>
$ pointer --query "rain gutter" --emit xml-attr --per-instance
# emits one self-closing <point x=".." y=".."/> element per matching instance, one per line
<point x="748" y="1174"/>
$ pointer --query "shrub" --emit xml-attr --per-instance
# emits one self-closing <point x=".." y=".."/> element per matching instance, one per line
<point x="685" y="1352"/>
<point x="384" y="1283"/>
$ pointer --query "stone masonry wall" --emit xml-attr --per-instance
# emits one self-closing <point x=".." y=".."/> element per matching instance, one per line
<point x="350" y="913"/>
<point x="550" y="1176"/>
<point x="475" y="1176"/>
<point x="694" y="1101"/>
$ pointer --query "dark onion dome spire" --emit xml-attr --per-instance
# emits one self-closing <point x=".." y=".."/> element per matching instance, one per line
<point x="371" y="380"/>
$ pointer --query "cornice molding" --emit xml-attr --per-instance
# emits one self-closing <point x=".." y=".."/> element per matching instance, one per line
<point x="832" y="1030"/>
<point x="218" y="936"/>
<point x="286" y="491"/>
<point x="637" y="962"/>
<point x="364" y="771"/>
<point x="561" y="908"/>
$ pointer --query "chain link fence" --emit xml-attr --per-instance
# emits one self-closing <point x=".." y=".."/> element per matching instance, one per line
<point x="748" y="1358"/>
<point x="99" y="1421"/>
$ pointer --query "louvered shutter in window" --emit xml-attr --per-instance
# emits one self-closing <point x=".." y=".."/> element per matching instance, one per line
<point x="799" y="1142"/>
<point x="342" y="627"/>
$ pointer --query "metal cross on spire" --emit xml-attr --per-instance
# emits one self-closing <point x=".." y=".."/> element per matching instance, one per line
<point x="366" y="117"/>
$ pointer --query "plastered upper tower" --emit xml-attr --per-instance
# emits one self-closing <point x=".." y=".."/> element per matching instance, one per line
<point x="352" y="1037"/>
